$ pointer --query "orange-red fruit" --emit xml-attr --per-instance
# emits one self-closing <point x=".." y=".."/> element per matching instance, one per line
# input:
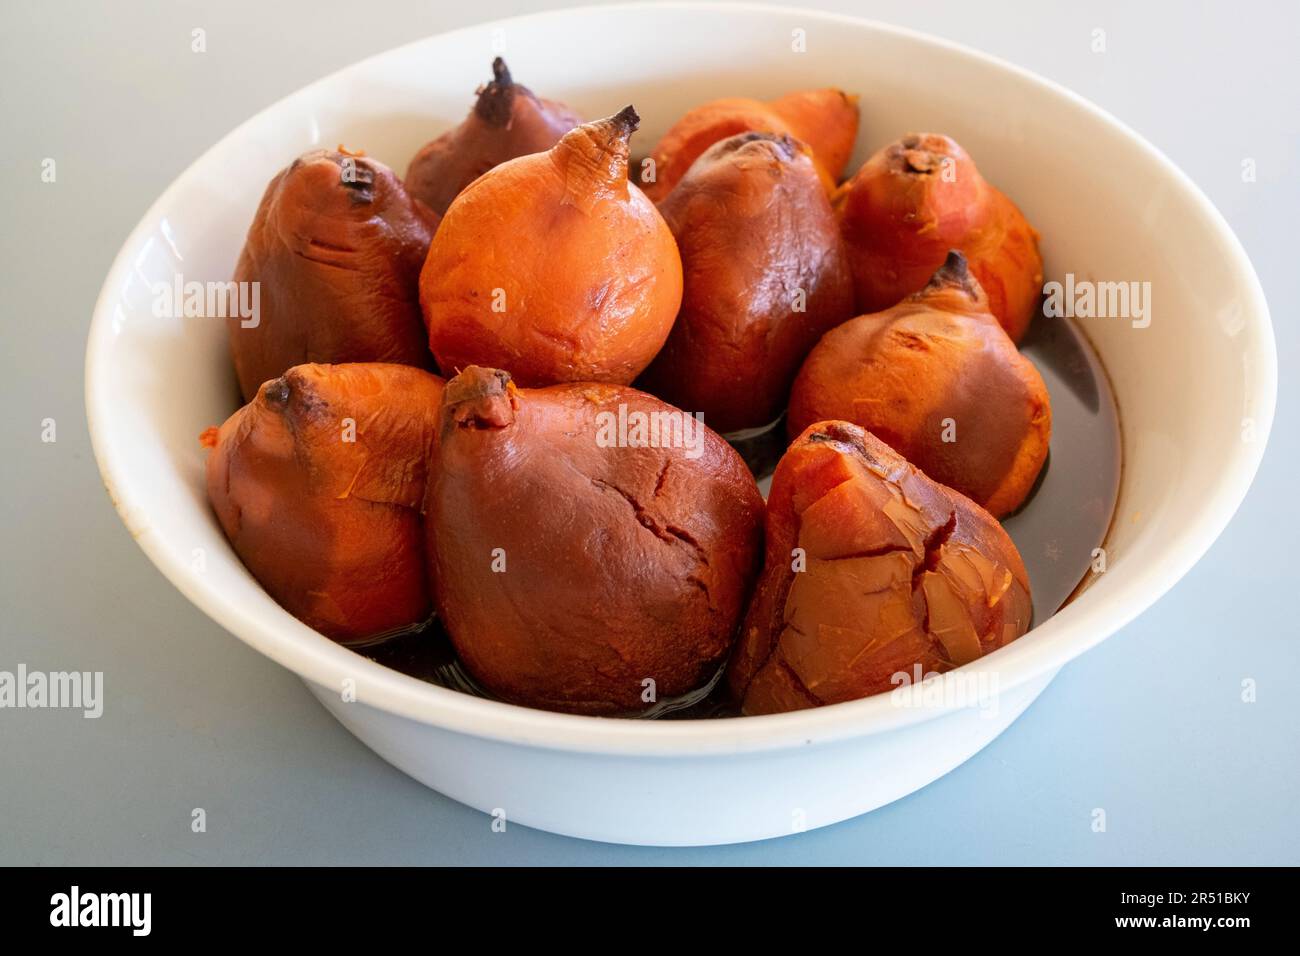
<point x="920" y="197"/>
<point x="318" y="484"/>
<point x="507" y="121"/>
<point x="937" y="379"/>
<point x="580" y="565"/>
<point x="764" y="275"/>
<point x="554" y="266"/>
<point x="825" y="119"/>
<point x="336" y="249"/>
<point x="896" y="571"/>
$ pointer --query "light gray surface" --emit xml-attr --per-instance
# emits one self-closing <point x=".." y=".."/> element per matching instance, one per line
<point x="1150" y="726"/>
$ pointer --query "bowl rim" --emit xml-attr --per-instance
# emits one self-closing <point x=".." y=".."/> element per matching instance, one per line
<point x="1068" y="633"/>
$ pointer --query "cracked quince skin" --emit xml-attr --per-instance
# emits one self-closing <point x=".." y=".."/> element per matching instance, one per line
<point x="570" y="571"/>
<point x="871" y="569"/>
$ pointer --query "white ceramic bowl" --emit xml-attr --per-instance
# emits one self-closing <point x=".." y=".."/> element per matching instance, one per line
<point x="1195" y="391"/>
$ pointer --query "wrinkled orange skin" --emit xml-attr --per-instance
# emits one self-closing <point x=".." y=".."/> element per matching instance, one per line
<point x="938" y="355"/>
<point x="920" y="197"/>
<point x="507" y="121"/>
<point x="583" y="267"/>
<point x="338" y="266"/>
<point x="622" y="564"/>
<point x="825" y="119"/>
<point x="754" y="229"/>
<point x="900" y="571"/>
<point x="331" y="528"/>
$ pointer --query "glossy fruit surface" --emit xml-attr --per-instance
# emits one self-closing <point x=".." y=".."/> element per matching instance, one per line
<point x="334" y="252"/>
<point x="825" y="119"/>
<point x="917" y="199"/>
<point x="764" y="275"/>
<point x="507" y="121"/>
<point x="554" y="267"/>
<point x="583" y="558"/>
<point x="937" y="379"/>
<point x="318" y="484"/>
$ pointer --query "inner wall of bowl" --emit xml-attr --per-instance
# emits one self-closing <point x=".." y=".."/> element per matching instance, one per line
<point x="171" y="377"/>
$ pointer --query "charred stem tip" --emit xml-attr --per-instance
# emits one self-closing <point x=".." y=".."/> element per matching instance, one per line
<point x="474" y="381"/>
<point x="786" y="144"/>
<point x="479" y="398"/>
<point x="954" y="268"/>
<point x="496" y="100"/>
<point x="626" y="120"/>
<point x="955" y="273"/>
<point x="277" y="392"/>
<point x="356" y="174"/>
<point x="920" y="154"/>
